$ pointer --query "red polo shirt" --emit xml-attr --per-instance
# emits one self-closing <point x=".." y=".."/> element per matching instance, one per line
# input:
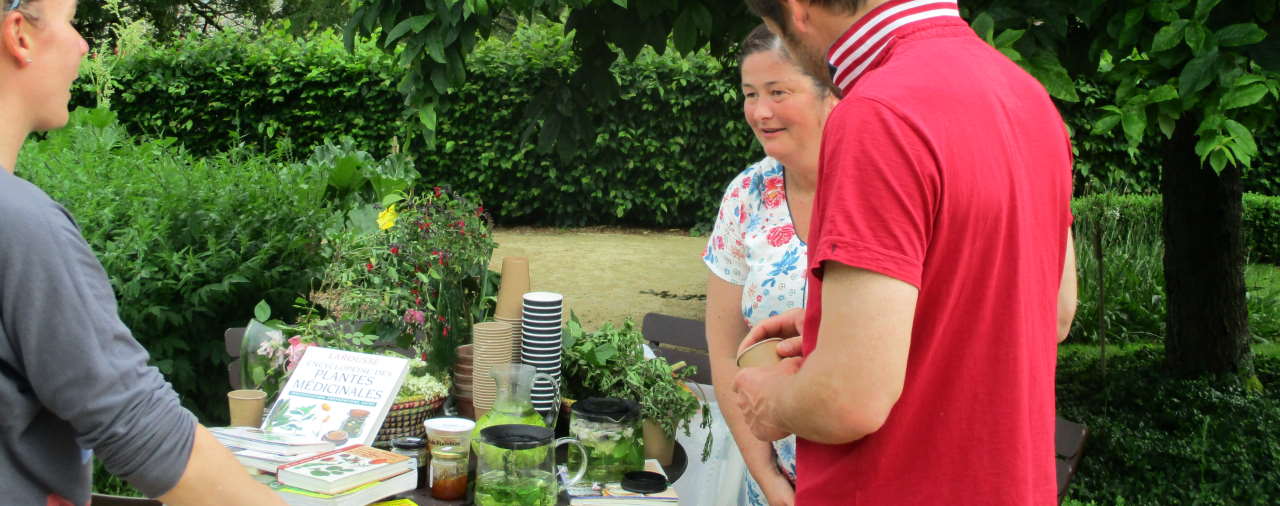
<point x="948" y="167"/>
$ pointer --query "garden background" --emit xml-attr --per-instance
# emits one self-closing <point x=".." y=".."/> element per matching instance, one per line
<point x="206" y="166"/>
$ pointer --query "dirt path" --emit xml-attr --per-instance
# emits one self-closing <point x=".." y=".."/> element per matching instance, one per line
<point x="607" y="275"/>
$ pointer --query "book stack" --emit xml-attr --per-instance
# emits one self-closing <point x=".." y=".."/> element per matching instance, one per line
<point x="313" y="448"/>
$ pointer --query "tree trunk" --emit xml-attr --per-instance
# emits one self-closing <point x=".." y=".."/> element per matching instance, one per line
<point x="1207" y="315"/>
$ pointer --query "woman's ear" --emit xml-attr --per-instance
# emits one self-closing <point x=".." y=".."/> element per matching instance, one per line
<point x="15" y="43"/>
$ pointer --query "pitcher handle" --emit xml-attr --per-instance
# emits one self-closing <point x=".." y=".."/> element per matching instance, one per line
<point x="582" y="465"/>
<point x="551" y="417"/>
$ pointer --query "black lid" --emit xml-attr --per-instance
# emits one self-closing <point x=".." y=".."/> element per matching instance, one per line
<point x="644" y="482"/>
<point x="607" y="409"/>
<point x="408" y="443"/>
<point x="516" y="436"/>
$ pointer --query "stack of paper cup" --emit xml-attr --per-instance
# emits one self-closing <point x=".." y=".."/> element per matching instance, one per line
<point x="542" y="346"/>
<point x="463" y="374"/>
<point x="491" y="346"/>
<point x="514" y="284"/>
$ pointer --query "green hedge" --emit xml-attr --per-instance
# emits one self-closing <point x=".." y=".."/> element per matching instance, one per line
<point x="661" y="159"/>
<point x="1158" y="440"/>
<point x="662" y="156"/>
<point x="190" y="244"/>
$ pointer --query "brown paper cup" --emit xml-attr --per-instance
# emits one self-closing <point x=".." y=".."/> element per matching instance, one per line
<point x="762" y="353"/>
<point x="246" y="407"/>
<point x="515" y="283"/>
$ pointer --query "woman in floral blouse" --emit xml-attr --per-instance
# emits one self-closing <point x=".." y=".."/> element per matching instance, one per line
<point x="756" y="252"/>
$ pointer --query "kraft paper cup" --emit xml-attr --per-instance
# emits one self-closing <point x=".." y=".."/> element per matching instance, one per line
<point x="246" y="407"/>
<point x="763" y="353"/>
<point x="512" y="287"/>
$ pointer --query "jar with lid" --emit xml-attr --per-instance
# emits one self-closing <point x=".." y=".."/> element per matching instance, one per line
<point x="414" y="448"/>
<point x="609" y="429"/>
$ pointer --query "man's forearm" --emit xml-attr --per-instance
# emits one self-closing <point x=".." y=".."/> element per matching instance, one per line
<point x="214" y="477"/>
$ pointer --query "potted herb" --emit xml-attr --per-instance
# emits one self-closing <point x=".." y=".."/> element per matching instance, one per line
<point x="610" y="363"/>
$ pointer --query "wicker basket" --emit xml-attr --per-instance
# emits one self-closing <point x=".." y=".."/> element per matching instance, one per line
<point x="405" y="419"/>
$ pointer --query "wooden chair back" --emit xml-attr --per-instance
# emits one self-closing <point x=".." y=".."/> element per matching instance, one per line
<point x="679" y="339"/>
<point x="232" y="337"/>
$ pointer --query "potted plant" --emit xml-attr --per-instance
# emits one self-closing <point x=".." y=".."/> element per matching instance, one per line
<point x="611" y="363"/>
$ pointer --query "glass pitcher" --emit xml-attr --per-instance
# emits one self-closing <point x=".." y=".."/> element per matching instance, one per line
<point x="515" y="466"/>
<point x="513" y="404"/>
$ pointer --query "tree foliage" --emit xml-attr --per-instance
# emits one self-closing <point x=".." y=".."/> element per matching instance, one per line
<point x="436" y="36"/>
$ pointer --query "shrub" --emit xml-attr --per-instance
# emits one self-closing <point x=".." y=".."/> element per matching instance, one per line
<point x="1160" y="440"/>
<point x="1134" y="276"/>
<point x="190" y="244"/>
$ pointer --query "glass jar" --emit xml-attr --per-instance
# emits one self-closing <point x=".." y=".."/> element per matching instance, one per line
<point x="414" y="448"/>
<point x="610" y="431"/>
<point x="355" y="422"/>
<point x="448" y="475"/>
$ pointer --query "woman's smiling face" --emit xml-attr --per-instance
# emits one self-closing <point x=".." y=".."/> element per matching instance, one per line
<point x="784" y="106"/>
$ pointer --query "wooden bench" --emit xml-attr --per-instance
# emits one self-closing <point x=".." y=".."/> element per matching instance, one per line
<point x="677" y="339"/>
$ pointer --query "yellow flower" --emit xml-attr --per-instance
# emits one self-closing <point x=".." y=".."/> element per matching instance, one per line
<point x="387" y="219"/>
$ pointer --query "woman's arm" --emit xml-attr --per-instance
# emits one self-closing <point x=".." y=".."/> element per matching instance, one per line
<point x="725" y="329"/>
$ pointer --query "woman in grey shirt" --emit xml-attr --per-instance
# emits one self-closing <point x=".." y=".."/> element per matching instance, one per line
<point x="73" y="381"/>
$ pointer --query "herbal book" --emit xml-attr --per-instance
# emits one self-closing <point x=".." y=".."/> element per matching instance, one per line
<point x="343" y="469"/>
<point x="336" y="396"/>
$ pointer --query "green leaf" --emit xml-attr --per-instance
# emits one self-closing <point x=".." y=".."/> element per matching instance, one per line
<point x="1244" y="97"/>
<point x="985" y="26"/>
<point x="1218" y="160"/>
<point x="685" y="32"/>
<point x="1165" y="11"/>
<point x="1009" y="37"/>
<point x="1197" y="74"/>
<point x="427" y="115"/>
<point x="435" y="46"/>
<point x="1163" y="93"/>
<point x="1169" y="36"/>
<point x="1203" y="7"/>
<point x="414" y="24"/>
<point x="1045" y="67"/>
<point x="1196" y="35"/>
<point x="1012" y="54"/>
<point x="604" y="352"/>
<point x="1167" y="124"/>
<point x="1242" y="34"/>
<point x="621" y="3"/>
<point x="1105" y="63"/>
<point x="1106" y="123"/>
<point x="1246" y="148"/>
<point x="262" y="311"/>
<point x="1134" y="122"/>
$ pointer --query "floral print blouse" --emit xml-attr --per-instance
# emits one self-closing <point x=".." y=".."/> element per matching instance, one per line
<point x="754" y="243"/>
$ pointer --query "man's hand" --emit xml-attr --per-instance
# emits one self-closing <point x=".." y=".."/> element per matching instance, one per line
<point x="758" y="390"/>
<point x="786" y="325"/>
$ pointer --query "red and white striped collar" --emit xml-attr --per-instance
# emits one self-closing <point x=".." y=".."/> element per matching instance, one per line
<point x="854" y="51"/>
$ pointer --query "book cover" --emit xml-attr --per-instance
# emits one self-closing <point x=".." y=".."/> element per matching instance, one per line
<point x="337" y="396"/>
<point x="342" y="469"/>
<point x="359" y="496"/>
<point x="251" y="438"/>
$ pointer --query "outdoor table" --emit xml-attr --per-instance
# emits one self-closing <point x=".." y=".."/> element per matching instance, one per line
<point x="679" y="462"/>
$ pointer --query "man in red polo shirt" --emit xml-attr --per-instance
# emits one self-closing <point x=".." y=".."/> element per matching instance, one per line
<point x="941" y="272"/>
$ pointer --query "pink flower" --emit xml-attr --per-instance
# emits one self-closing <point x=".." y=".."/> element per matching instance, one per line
<point x="369" y="267"/>
<point x="781" y="235"/>
<point x="773" y="191"/>
<point x="719" y="242"/>
<point x="297" y="349"/>
<point x="413" y="316"/>
<point x="395" y="250"/>
<point x="746" y="183"/>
